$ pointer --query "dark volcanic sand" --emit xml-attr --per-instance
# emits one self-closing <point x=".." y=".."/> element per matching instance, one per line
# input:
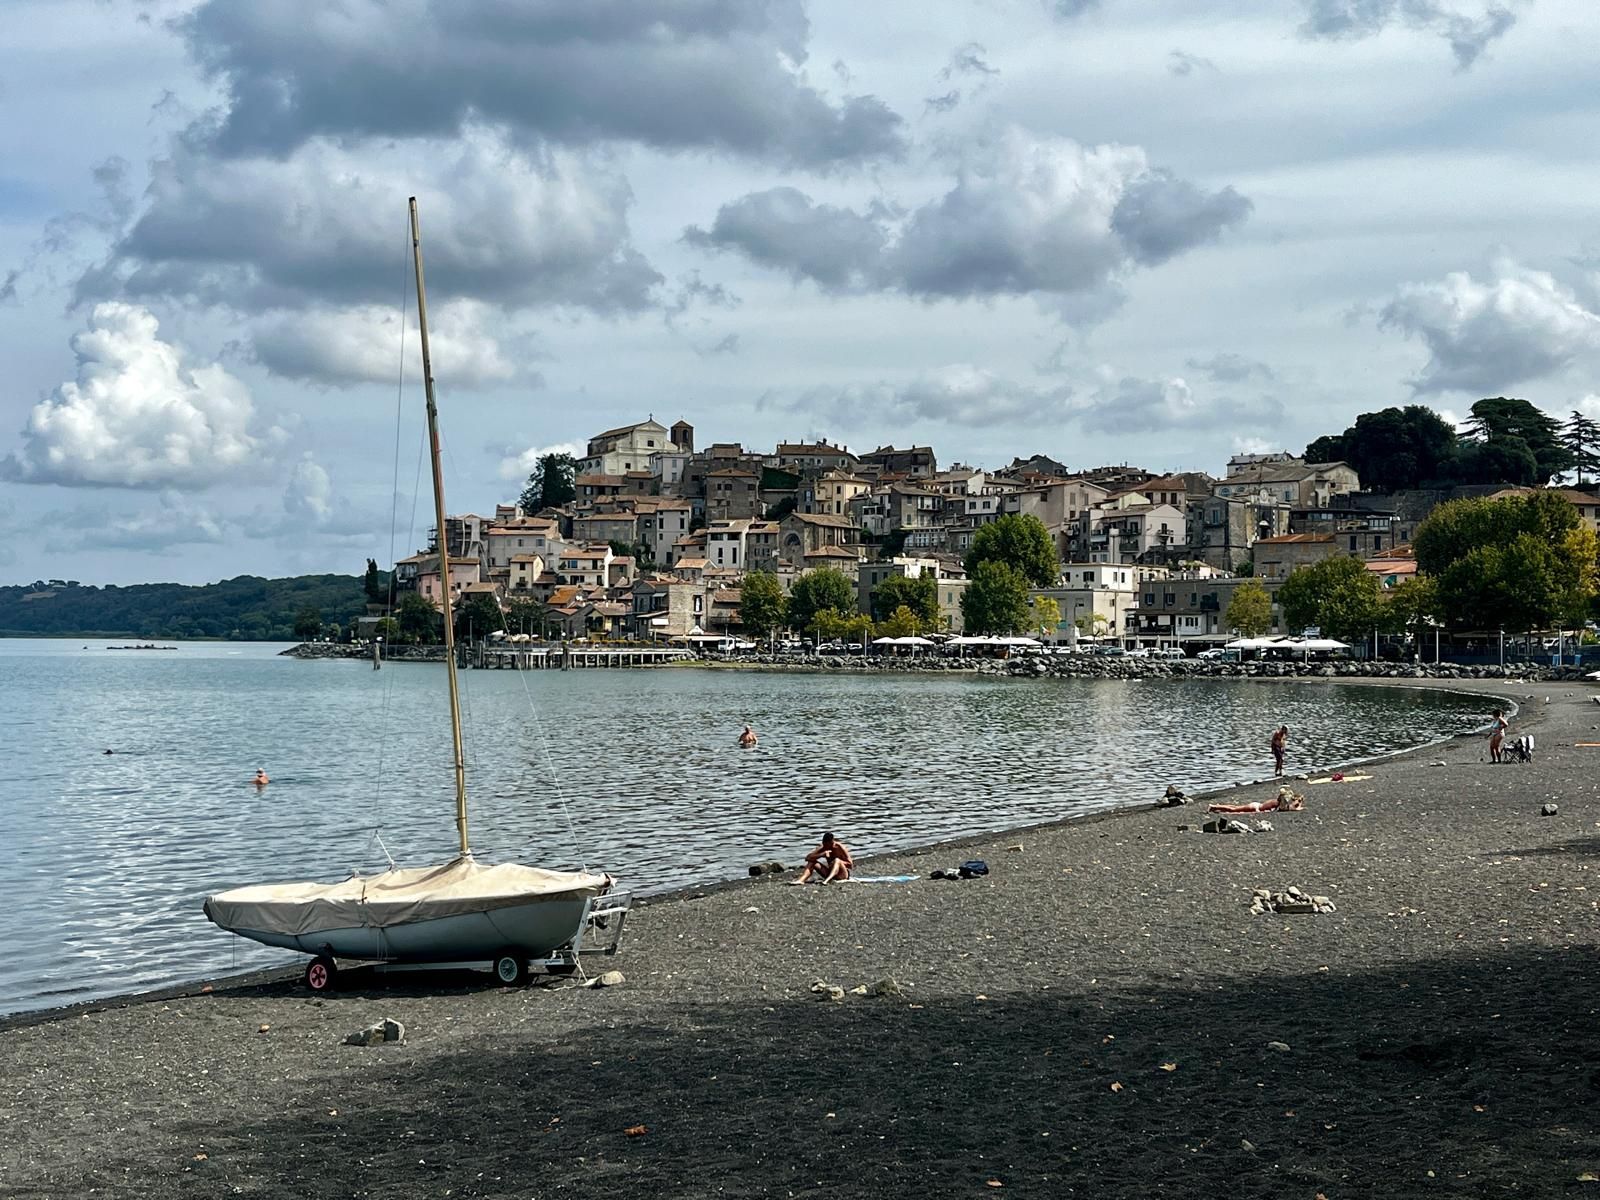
<point x="1441" y="1028"/>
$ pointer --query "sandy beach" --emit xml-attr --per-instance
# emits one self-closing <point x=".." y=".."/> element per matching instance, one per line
<point x="1101" y="1016"/>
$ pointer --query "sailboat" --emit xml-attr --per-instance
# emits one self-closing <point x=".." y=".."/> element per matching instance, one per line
<point x="461" y="912"/>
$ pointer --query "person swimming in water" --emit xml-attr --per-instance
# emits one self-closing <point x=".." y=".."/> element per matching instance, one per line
<point x="747" y="739"/>
<point x="261" y="779"/>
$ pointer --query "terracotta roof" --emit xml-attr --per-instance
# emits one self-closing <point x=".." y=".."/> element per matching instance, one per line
<point x="1295" y="539"/>
<point x="691" y="563"/>
<point x="821" y="519"/>
<point x="832" y="552"/>
<point x="622" y="429"/>
<point x="598" y="481"/>
<point x="732" y="472"/>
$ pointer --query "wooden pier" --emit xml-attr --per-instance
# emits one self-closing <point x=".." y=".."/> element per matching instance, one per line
<point x="569" y="657"/>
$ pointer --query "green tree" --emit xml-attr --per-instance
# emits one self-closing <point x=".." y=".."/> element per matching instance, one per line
<point x="1392" y="449"/>
<point x="1250" y="610"/>
<point x="818" y="590"/>
<point x="1410" y="606"/>
<point x="372" y="583"/>
<point x="1503" y="418"/>
<point x="419" y="618"/>
<point x="551" y="483"/>
<point x="1522" y="562"/>
<point x="1580" y="437"/>
<point x="902" y="622"/>
<point x="762" y="604"/>
<point x="920" y="595"/>
<point x="388" y="629"/>
<point x="1045" y="615"/>
<point x="996" y="600"/>
<point x="307" y="623"/>
<point x="1022" y="543"/>
<point x="478" y="616"/>
<point x="524" y="614"/>
<point x="1507" y="460"/>
<point x="831" y="624"/>
<point x="1339" y="595"/>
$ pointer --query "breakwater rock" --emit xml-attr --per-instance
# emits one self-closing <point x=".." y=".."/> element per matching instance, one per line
<point x="393" y="653"/>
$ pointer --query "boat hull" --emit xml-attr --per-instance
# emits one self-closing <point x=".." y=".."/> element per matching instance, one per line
<point x="534" y="929"/>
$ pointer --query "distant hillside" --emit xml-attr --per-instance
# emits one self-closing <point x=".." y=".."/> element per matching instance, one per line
<point x="248" y="608"/>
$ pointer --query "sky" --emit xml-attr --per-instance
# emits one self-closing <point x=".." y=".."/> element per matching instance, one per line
<point x="1148" y="231"/>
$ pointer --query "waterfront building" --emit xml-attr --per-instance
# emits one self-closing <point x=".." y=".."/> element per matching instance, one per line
<point x="627" y="448"/>
<point x="1277" y="557"/>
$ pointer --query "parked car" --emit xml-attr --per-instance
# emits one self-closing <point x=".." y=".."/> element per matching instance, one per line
<point x="1139" y="652"/>
<point x="1219" y="653"/>
<point x="1167" y="652"/>
<point x="1111" y="651"/>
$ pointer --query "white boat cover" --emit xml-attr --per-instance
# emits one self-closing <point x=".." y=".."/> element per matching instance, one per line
<point x="400" y="896"/>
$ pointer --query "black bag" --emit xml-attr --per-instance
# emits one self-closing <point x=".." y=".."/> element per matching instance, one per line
<point x="974" y="867"/>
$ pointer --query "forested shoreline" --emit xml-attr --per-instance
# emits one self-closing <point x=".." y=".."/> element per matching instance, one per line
<point x="245" y="608"/>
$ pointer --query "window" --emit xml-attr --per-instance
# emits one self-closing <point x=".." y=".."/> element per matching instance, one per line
<point x="1352" y="543"/>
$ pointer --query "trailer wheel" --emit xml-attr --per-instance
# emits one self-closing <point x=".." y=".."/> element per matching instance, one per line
<point x="321" y="973"/>
<point x="510" y="969"/>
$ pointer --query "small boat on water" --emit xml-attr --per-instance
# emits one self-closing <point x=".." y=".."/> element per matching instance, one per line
<point x="460" y="912"/>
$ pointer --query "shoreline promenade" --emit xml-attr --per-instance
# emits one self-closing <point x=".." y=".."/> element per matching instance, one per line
<point x="1100" y="1016"/>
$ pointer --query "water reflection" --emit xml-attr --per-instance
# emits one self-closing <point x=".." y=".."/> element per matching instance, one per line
<point x="104" y="858"/>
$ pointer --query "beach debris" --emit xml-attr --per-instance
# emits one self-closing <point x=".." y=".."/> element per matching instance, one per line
<point x="1246" y="1144"/>
<point x="767" y="868"/>
<point x="1278" y="1047"/>
<point x="1263" y="826"/>
<point x="1438" y="762"/>
<point x="1116" y="1087"/>
<point x="752" y="909"/>
<point x="1169" y="1066"/>
<point x="386" y="1030"/>
<point x="1549" y="810"/>
<point x="263" y="1028"/>
<point x="1172" y="797"/>
<point x="1291" y="900"/>
<point x="201" y="1157"/>
<point x="393" y="1031"/>
<point x="859" y="990"/>
<point x="205" y="988"/>
<point x="993" y="1183"/>
<point x="636" y="1130"/>
<point x="607" y="979"/>
<point x="887" y="986"/>
<point x="1017" y="849"/>
<point x="1225" y="825"/>
<point x="827" y="991"/>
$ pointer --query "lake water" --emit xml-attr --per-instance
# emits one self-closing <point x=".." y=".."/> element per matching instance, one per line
<point x="104" y="859"/>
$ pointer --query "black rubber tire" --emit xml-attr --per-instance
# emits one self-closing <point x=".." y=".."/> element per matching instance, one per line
<point x="510" y="968"/>
<point x="321" y="973"/>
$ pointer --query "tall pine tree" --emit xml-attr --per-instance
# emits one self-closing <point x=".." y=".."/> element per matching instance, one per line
<point x="1581" y="437"/>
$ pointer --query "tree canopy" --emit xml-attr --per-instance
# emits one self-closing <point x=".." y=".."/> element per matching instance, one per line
<point x="1022" y="543"/>
<point x="246" y="608"/>
<point x="762" y="604"/>
<point x="1521" y="563"/>
<point x="1393" y="449"/>
<point x="419" y="618"/>
<point x="996" y="599"/>
<point x="1517" y="423"/>
<point x="920" y="595"/>
<point x="478" y="616"/>
<point x="1580" y="437"/>
<point x="1338" y="595"/>
<point x="550" y="485"/>
<point x="1250" y="610"/>
<point x="819" y="590"/>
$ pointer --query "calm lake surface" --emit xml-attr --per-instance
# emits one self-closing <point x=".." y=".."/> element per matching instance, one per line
<point x="104" y="859"/>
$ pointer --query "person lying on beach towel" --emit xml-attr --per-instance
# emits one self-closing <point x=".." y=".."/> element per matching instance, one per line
<point x="1287" y="800"/>
<point x="829" y="861"/>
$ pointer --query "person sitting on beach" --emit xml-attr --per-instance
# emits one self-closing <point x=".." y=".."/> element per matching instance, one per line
<point x="261" y="779"/>
<point x="1287" y="800"/>
<point x="747" y="739"/>
<point x="1497" y="735"/>
<point x="1280" y="743"/>
<point x="831" y="860"/>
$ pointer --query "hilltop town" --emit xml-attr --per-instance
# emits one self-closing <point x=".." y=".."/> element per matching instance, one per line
<point x="649" y="537"/>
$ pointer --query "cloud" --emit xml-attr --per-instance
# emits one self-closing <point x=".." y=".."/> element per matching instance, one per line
<point x="363" y="345"/>
<point x="672" y="74"/>
<point x="1133" y="405"/>
<point x="836" y="248"/>
<point x="975" y="397"/>
<point x="968" y="60"/>
<point x="1469" y="35"/>
<point x="1026" y="216"/>
<point x="1066" y="10"/>
<point x="308" y="496"/>
<point x="1232" y="368"/>
<point x="1485" y="336"/>
<point x="1182" y="64"/>
<point x="137" y="416"/>
<point x="519" y="464"/>
<point x="175" y="520"/>
<point x="498" y="225"/>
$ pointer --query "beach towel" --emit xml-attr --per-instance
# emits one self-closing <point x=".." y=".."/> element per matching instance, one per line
<point x="1340" y="779"/>
<point x="880" y="879"/>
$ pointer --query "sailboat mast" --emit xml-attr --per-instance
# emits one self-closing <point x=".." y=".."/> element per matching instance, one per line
<point x="443" y="539"/>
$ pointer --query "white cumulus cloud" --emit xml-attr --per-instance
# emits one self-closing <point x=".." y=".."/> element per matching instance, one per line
<point x="519" y="464"/>
<point x="1484" y="336"/>
<point x="136" y="416"/>
<point x="364" y="345"/>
